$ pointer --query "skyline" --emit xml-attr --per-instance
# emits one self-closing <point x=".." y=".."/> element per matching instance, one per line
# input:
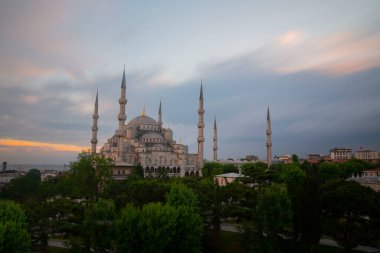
<point x="315" y="64"/>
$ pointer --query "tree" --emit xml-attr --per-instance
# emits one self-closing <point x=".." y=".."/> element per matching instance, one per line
<point x="295" y="159"/>
<point x="229" y="168"/>
<point x="189" y="225"/>
<point x="294" y="177"/>
<point x="328" y="171"/>
<point x="138" y="170"/>
<point x="257" y="173"/>
<point x="145" y="191"/>
<point x="127" y="230"/>
<point x="348" y="211"/>
<point x="309" y="212"/>
<point x="24" y="187"/>
<point x="155" y="225"/>
<point x="273" y="214"/>
<point x="14" y="236"/>
<point x="353" y="167"/>
<point x="212" y="168"/>
<point x="233" y="198"/>
<point x="188" y="231"/>
<point x="98" y="228"/>
<point x="181" y="195"/>
<point x="89" y="174"/>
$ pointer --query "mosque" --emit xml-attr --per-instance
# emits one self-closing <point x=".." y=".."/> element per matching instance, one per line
<point x="144" y="141"/>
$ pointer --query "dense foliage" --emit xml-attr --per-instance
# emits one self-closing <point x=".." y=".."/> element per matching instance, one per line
<point x="91" y="212"/>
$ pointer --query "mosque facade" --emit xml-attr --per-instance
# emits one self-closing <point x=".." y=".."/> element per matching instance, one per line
<point x="144" y="141"/>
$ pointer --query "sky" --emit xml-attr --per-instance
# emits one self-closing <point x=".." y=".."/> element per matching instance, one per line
<point x="316" y="64"/>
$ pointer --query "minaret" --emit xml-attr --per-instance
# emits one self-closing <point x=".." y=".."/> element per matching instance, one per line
<point x="215" y="148"/>
<point x="122" y="101"/>
<point x="269" y="141"/>
<point x="201" y="125"/>
<point x="160" y="117"/>
<point x="122" y="117"/>
<point x="95" y="117"/>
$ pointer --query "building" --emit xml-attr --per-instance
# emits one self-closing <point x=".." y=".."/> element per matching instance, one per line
<point x="269" y="140"/>
<point x="284" y="159"/>
<point x="49" y="174"/>
<point x="367" y="155"/>
<point x="340" y="153"/>
<point x="144" y="141"/>
<point x="372" y="173"/>
<point x="227" y="178"/>
<point x="369" y="178"/>
<point x="7" y="175"/>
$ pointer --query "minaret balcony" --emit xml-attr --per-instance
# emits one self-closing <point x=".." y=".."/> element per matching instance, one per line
<point x="122" y="117"/>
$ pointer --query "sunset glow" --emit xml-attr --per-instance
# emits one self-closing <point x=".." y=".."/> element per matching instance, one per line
<point x="53" y="146"/>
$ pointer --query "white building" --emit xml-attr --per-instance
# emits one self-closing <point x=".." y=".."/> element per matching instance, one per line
<point x="366" y="154"/>
<point x="340" y="153"/>
<point x="227" y="178"/>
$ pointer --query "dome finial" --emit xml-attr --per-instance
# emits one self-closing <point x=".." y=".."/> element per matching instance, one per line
<point x="143" y="112"/>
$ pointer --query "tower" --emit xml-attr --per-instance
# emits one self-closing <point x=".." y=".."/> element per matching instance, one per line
<point x="95" y="117"/>
<point x="160" y="117"/>
<point x="215" y="148"/>
<point x="122" y="101"/>
<point x="201" y="125"/>
<point x="121" y="117"/>
<point x="269" y="141"/>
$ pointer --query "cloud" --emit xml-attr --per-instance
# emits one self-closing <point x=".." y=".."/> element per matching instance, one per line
<point x="290" y="38"/>
<point x="35" y="144"/>
<point x="164" y="79"/>
<point x="337" y="53"/>
<point x="30" y="99"/>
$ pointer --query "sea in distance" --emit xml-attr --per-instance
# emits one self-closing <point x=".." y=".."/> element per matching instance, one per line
<point x="27" y="167"/>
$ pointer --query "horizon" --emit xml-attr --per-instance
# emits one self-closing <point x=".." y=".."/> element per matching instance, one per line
<point x="316" y="65"/>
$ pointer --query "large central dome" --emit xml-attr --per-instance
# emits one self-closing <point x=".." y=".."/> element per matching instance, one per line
<point x="142" y="120"/>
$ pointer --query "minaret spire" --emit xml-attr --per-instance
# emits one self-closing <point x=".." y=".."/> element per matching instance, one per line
<point x="160" y="116"/>
<point x="122" y="101"/>
<point x="215" y="148"/>
<point x="95" y="117"/>
<point x="269" y="141"/>
<point x="201" y="125"/>
<point x="121" y="117"/>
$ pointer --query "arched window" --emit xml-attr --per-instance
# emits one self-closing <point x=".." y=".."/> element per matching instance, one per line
<point x="197" y="174"/>
<point x="192" y="174"/>
<point x="187" y="174"/>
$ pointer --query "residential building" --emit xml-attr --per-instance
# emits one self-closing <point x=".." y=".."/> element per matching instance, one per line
<point x="340" y="153"/>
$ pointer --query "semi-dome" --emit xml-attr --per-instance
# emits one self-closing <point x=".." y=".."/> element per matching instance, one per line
<point x="152" y="135"/>
<point x="143" y="120"/>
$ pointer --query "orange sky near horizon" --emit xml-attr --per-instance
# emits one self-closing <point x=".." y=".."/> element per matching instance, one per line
<point x="53" y="146"/>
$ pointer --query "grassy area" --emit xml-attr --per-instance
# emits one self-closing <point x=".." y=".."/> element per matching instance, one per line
<point x="53" y="250"/>
<point x="230" y="242"/>
<point x="58" y="250"/>
<point x="320" y="249"/>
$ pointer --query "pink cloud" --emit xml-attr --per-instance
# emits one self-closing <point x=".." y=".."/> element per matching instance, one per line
<point x="30" y="99"/>
<point x="341" y="53"/>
